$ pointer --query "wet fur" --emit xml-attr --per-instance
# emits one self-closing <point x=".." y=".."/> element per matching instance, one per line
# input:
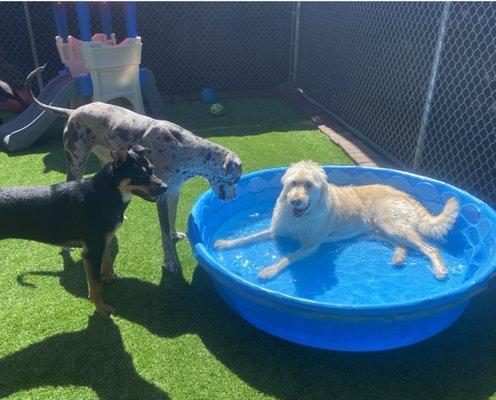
<point x="332" y="213"/>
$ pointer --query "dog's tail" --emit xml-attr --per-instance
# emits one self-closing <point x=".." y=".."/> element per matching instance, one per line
<point x="437" y="226"/>
<point x="29" y="83"/>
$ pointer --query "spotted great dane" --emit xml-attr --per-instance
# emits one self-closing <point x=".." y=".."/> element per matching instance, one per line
<point x="177" y="154"/>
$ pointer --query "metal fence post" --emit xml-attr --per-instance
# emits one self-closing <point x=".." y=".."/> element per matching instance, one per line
<point x="32" y="42"/>
<point x="295" y="35"/>
<point x="432" y="84"/>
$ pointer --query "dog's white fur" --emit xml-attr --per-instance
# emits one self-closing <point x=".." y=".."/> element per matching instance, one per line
<point x="313" y="211"/>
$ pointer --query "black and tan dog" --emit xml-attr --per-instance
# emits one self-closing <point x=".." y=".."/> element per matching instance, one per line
<point x="84" y="213"/>
<point x="177" y="154"/>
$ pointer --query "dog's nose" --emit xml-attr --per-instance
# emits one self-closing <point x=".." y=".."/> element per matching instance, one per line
<point x="162" y="189"/>
<point x="295" y="202"/>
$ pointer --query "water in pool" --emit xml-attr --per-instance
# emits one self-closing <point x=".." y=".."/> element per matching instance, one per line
<point x="354" y="272"/>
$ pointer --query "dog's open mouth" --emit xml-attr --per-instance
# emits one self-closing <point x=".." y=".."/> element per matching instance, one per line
<point x="298" y="212"/>
<point x="144" y="195"/>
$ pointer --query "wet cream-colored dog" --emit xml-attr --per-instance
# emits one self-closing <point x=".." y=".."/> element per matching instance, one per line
<point x="313" y="211"/>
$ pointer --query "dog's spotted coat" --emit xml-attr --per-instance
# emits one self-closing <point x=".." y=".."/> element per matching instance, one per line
<point x="176" y="153"/>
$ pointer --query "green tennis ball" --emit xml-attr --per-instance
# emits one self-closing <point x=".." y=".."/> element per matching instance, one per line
<point x="216" y="109"/>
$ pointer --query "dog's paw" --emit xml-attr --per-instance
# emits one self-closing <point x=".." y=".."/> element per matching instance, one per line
<point x="398" y="261"/>
<point x="399" y="257"/>
<point x="441" y="274"/>
<point x="179" y="236"/>
<point x="222" y="244"/>
<point x="268" y="273"/>
<point x="110" y="278"/>
<point x="171" y="266"/>
<point x="105" y="310"/>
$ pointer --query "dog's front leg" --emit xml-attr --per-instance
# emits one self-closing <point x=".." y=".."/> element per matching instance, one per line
<point x="77" y="146"/>
<point x="108" y="274"/>
<point x="274" y="270"/>
<point x="171" y="260"/>
<point x="172" y="201"/>
<point x="92" y="260"/>
<point x="226" y="244"/>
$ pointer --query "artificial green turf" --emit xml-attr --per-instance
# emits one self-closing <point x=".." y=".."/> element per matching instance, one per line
<point x="173" y="337"/>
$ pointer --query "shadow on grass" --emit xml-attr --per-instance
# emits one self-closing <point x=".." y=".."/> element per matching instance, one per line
<point x="54" y="159"/>
<point x="242" y="117"/>
<point x="93" y="357"/>
<point x="459" y="363"/>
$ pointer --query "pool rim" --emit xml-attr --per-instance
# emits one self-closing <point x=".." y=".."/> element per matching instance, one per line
<point x="449" y="299"/>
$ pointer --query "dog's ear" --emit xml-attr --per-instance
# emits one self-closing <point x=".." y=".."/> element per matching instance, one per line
<point x="232" y="164"/>
<point x="286" y="177"/>
<point x="142" y="151"/>
<point x="119" y="157"/>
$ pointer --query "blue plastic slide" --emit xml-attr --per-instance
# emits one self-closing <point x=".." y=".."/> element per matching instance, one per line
<point x="24" y="130"/>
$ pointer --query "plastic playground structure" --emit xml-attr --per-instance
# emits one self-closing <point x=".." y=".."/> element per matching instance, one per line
<point x="95" y="66"/>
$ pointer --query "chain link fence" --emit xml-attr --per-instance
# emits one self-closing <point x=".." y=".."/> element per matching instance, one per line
<point x="416" y="80"/>
<point x="16" y="59"/>
<point x="188" y="46"/>
<point x="228" y="46"/>
<point x="460" y="137"/>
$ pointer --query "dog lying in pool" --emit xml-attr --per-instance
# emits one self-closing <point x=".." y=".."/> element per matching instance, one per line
<point x="313" y="211"/>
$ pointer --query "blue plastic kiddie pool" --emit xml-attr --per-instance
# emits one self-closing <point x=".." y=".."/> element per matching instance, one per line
<point x="347" y="296"/>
